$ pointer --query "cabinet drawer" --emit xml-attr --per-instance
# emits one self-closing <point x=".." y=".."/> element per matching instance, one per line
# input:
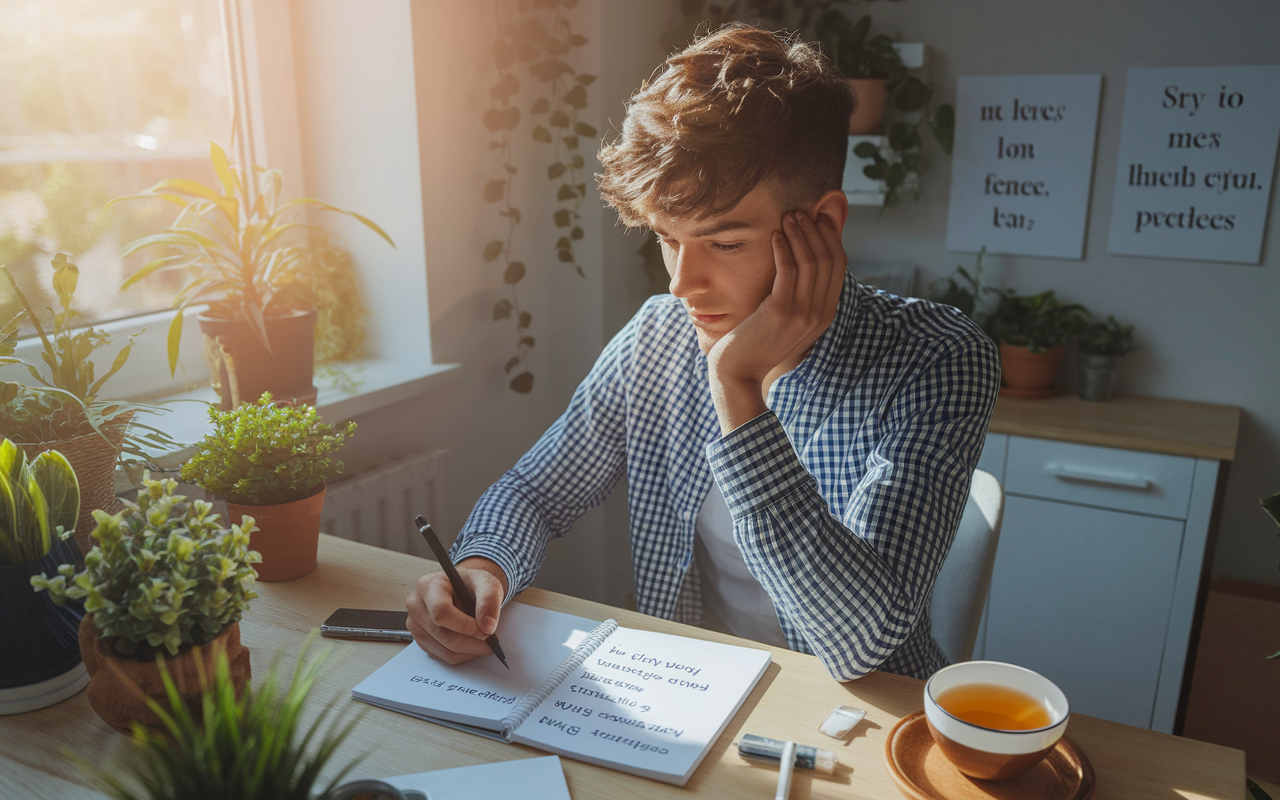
<point x="1127" y="480"/>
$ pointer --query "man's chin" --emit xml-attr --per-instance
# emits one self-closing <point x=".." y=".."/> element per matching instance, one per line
<point x="706" y="341"/>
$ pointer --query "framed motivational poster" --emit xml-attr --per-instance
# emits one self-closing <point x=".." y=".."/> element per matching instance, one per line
<point x="1022" y="163"/>
<point x="1197" y="156"/>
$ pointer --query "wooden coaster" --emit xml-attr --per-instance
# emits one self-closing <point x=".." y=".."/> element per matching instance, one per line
<point x="922" y="772"/>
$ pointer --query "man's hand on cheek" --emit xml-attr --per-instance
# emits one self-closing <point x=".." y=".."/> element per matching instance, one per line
<point x="810" y="262"/>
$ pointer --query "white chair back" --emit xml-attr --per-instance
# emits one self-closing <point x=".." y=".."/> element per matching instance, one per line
<point x="961" y="589"/>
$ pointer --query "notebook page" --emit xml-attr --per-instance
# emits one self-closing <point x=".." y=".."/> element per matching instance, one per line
<point x="646" y="703"/>
<point x="482" y="691"/>
<point x="522" y="779"/>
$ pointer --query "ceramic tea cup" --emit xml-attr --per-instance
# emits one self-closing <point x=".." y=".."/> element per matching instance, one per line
<point x="990" y="747"/>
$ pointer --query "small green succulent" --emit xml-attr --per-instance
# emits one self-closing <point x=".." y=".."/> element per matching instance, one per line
<point x="248" y="747"/>
<point x="261" y="454"/>
<point x="163" y="574"/>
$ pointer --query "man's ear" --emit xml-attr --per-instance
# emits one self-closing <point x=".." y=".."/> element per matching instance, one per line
<point x="832" y="207"/>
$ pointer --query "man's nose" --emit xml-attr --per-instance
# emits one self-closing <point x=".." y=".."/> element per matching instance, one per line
<point x="688" y="273"/>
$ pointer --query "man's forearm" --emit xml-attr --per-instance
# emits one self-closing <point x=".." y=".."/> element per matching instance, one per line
<point x="737" y="401"/>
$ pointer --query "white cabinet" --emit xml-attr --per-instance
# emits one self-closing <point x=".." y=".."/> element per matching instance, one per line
<point x="1096" y="576"/>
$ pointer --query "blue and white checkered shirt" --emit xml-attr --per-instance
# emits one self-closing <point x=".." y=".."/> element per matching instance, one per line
<point x="845" y="496"/>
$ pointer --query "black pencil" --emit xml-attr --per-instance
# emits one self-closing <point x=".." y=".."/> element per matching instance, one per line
<point x="460" y="590"/>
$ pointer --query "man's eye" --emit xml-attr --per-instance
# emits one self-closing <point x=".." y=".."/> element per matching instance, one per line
<point x="726" y="248"/>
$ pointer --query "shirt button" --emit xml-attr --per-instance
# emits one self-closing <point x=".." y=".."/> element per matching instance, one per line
<point x="686" y="515"/>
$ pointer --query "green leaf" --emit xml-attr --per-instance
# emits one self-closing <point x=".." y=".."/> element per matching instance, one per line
<point x="526" y="319"/>
<point x="526" y="341"/>
<point x="576" y="233"/>
<point x="494" y="191"/>
<point x="558" y="119"/>
<point x="514" y="273"/>
<point x="493" y="249"/>
<point x="576" y="162"/>
<point x="555" y="171"/>
<point x="570" y="142"/>
<point x="566" y="192"/>
<point x="562" y="218"/>
<point x="540" y="106"/>
<point x="512" y="363"/>
<point x="549" y="69"/>
<point x="866" y="150"/>
<point x="577" y="40"/>
<point x="566" y="256"/>
<point x="584" y="79"/>
<point x="541" y="134"/>
<point x="57" y="481"/>
<point x="174" y="340"/>
<point x="522" y="383"/>
<point x="65" y="277"/>
<point x="576" y="97"/>
<point x="563" y="243"/>
<point x="502" y="309"/>
<point x="943" y="124"/>
<point x="222" y="169"/>
<point x="583" y="129"/>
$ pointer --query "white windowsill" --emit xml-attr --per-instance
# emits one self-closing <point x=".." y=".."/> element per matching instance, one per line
<point x="382" y="382"/>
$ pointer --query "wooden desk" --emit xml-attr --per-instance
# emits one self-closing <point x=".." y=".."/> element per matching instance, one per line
<point x="792" y="698"/>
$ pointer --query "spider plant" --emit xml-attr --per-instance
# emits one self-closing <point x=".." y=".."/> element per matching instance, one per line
<point x="232" y="241"/>
<point x="251" y="747"/>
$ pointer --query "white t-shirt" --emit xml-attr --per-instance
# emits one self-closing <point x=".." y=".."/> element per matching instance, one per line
<point x="733" y="600"/>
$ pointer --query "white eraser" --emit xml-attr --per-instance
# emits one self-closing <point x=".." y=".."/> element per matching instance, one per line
<point x="841" y="721"/>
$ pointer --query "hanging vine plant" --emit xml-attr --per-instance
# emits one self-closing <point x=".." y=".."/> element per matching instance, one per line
<point x="536" y="39"/>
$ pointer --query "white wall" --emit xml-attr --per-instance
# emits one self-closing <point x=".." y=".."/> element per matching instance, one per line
<point x="407" y="84"/>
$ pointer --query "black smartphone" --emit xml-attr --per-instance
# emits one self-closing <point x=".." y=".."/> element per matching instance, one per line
<point x="364" y="623"/>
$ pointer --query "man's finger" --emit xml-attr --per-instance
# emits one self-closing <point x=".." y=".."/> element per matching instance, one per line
<point x="806" y="268"/>
<point x="839" y="262"/>
<point x="445" y="614"/>
<point x="488" y="592"/>
<point x="784" y="281"/>
<point x="821" y="255"/>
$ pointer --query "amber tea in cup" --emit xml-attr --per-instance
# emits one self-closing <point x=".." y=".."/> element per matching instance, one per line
<point x="991" y="705"/>
<point x="994" y="721"/>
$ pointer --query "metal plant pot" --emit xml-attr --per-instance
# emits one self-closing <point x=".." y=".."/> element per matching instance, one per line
<point x="1097" y="376"/>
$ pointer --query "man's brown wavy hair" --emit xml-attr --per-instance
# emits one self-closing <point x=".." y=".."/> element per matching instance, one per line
<point x="736" y="108"/>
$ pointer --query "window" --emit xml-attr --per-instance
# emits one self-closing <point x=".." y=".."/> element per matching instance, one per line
<point x="97" y="100"/>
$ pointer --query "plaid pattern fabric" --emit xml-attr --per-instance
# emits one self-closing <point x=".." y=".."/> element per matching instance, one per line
<point x="845" y="496"/>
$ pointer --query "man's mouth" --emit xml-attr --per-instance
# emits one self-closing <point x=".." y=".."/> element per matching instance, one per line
<point x="707" y="319"/>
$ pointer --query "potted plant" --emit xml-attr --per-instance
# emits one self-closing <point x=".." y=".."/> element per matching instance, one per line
<point x="163" y="579"/>
<point x="249" y="745"/>
<point x="260" y="323"/>
<point x="272" y="462"/>
<point x="963" y="290"/>
<point x="883" y="85"/>
<point x="63" y="410"/>
<point x="1101" y="347"/>
<point x="39" y="501"/>
<point x="1031" y="331"/>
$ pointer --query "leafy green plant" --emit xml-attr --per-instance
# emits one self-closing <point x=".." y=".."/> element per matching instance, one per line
<point x="250" y="747"/>
<point x="65" y="402"/>
<point x="1109" y="338"/>
<point x="538" y="36"/>
<point x="963" y="290"/>
<point x="1037" y="322"/>
<point x="163" y="573"/>
<point x="262" y="454"/>
<point x="39" y="501"/>
<point x="232" y="241"/>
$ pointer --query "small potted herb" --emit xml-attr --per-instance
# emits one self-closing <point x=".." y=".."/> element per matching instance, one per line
<point x="963" y="290"/>
<point x="1101" y="347"/>
<point x="272" y="462"/>
<point x="163" y="579"/>
<point x="249" y="745"/>
<point x="1032" y="331"/>
<point x="39" y="500"/>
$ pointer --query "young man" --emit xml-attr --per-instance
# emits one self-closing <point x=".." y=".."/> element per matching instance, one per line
<point x="798" y="448"/>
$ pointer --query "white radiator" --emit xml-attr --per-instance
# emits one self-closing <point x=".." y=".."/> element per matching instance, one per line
<point x="378" y="507"/>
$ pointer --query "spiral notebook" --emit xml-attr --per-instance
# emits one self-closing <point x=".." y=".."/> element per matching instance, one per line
<point x="647" y="703"/>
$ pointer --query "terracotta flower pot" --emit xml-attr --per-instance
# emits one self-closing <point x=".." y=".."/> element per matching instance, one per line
<point x="870" y="96"/>
<point x="288" y="535"/>
<point x="119" y="686"/>
<point x="1027" y="374"/>
<point x="242" y="369"/>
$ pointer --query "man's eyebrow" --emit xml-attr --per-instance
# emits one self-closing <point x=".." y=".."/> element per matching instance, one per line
<point x="712" y="230"/>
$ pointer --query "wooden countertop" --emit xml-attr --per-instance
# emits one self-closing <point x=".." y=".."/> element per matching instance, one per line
<point x="791" y="700"/>
<point x="1131" y="422"/>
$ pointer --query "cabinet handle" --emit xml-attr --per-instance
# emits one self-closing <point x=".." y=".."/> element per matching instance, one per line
<point x="1065" y="473"/>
